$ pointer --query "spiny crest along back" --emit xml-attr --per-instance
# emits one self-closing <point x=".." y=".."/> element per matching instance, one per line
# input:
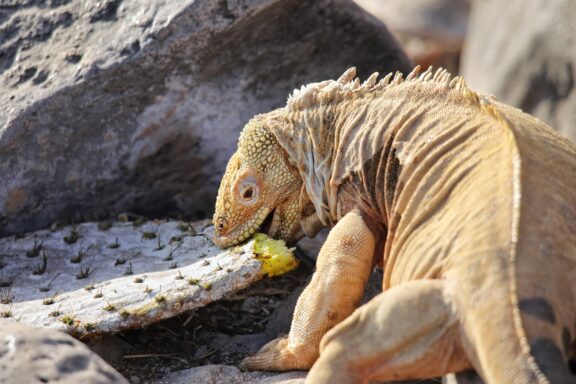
<point x="328" y="91"/>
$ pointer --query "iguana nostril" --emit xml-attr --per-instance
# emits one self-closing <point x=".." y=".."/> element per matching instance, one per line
<point x="221" y="224"/>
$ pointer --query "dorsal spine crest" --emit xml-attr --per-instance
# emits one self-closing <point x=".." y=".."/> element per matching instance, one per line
<point x="348" y="86"/>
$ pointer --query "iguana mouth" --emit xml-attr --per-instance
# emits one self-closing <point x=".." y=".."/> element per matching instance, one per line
<point x="267" y="226"/>
<point x="267" y="223"/>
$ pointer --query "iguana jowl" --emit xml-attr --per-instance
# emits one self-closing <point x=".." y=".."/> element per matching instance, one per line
<point x="468" y="204"/>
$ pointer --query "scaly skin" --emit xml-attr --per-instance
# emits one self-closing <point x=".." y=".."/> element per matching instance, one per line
<point x="468" y="204"/>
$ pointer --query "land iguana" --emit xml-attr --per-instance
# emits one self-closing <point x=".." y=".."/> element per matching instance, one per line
<point x="467" y="204"/>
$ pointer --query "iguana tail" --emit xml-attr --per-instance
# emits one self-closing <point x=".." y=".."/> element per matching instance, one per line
<point x="506" y="347"/>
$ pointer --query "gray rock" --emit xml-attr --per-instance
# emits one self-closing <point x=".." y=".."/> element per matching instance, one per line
<point x="32" y="355"/>
<point x="431" y="31"/>
<point x="217" y="374"/>
<point x="310" y="247"/>
<point x="444" y="20"/>
<point x="523" y="52"/>
<point x="125" y="105"/>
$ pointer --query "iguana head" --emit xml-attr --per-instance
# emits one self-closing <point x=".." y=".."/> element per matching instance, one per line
<point x="260" y="190"/>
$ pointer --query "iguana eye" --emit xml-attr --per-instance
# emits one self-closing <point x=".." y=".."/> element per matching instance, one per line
<point x="247" y="191"/>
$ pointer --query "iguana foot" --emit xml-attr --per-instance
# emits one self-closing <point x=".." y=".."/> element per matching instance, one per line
<point x="278" y="356"/>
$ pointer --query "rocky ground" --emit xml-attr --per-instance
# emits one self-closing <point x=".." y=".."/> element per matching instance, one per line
<point x="221" y="333"/>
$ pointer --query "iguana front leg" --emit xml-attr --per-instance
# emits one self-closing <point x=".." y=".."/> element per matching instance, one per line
<point x="342" y="269"/>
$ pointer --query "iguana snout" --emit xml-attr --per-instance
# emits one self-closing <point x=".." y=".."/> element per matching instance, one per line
<point x="259" y="191"/>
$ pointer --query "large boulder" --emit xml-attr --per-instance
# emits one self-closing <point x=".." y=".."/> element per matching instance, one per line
<point x="32" y="355"/>
<point x="125" y="105"/>
<point x="523" y="52"/>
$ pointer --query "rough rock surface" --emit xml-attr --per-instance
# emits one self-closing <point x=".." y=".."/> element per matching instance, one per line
<point x="524" y="53"/>
<point x="31" y="355"/>
<point x="124" y="105"/>
<point x="217" y="374"/>
<point x="88" y="280"/>
<point x="431" y="31"/>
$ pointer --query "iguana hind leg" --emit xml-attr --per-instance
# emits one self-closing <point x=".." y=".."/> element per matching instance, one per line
<point x="342" y="269"/>
<point x="406" y="332"/>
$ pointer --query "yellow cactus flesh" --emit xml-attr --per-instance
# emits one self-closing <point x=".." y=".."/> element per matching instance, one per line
<point x="276" y="258"/>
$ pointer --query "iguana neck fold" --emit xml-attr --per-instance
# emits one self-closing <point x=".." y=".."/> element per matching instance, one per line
<point x="308" y="138"/>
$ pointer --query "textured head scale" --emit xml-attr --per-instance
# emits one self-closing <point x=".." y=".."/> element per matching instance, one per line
<point x="259" y="191"/>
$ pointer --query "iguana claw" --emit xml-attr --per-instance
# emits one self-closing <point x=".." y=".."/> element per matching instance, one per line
<point x="278" y="356"/>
